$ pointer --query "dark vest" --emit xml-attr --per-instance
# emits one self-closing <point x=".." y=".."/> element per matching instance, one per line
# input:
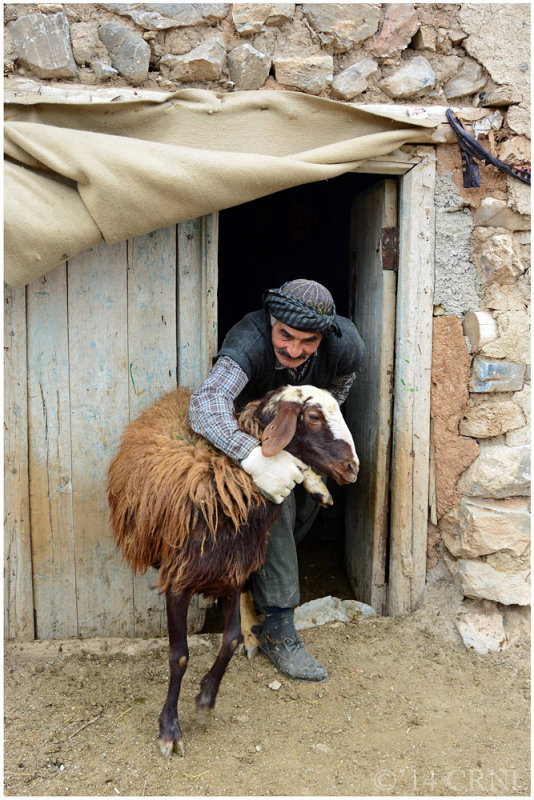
<point x="249" y="344"/>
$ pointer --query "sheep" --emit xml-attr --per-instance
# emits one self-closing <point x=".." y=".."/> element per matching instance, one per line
<point x="183" y="507"/>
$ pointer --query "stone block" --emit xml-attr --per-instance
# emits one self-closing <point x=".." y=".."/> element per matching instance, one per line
<point x="518" y="119"/>
<point x="499" y="97"/>
<point x="445" y="67"/>
<point x="312" y="74"/>
<point x="483" y="526"/>
<point x="508" y="297"/>
<point x="203" y="63"/>
<point x="456" y="36"/>
<point x="469" y="79"/>
<point x="493" y="258"/>
<point x="494" y="213"/>
<point x="50" y="8"/>
<point x="342" y="25"/>
<point x="162" y="16"/>
<point x="248" y="67"/>
<point x="345" y="87"/>
<point x="400" y="25"/>
<point x="129" y="53"/>
<point x="250" y="18"/>
<point x="513" y="341"/>
<point x="498" y="472"/>
<point x="519" y="195"/>
<point x="9" y="51"/>
<point x="478" y="579"/>
<point x="491" y="419"/>
<point x="481" y="627"/>
<point x="496" y="256"/>
<point x="496" y="376"/>
<point x="414" y="78"/>
<point x="352" y="81"/>
<point x="42" y="43"/>
<point x="515" y="150"/>
<point x="86" y="46"/>
<point x="425" y="38"/>
<point x="521" y="435"/>
<point x="103" y="71"/>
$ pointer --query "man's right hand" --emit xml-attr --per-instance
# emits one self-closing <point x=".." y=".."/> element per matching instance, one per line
<point x="275" y="476"/>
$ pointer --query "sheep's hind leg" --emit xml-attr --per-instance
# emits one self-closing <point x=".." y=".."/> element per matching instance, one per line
<point x="170" y="734"/>
<point x="250" y="624"/>
<point x="232" y="637"/>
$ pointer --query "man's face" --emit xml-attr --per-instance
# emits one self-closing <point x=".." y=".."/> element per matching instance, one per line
<point x="293" y="347"/>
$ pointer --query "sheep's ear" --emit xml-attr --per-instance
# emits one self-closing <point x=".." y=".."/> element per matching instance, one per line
<point x="281" y="430"/>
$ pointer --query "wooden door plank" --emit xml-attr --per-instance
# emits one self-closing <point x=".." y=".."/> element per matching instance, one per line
<point x="411" y="423"/>
<point x="369" y="408"/>
<point x="50" y="457"/>
<point x="97" y="297"/>
<point x="197" y="298"/>
<point x="18" y="589"/>
<point x="152" y="369"/>
<point x="197" y="324"/>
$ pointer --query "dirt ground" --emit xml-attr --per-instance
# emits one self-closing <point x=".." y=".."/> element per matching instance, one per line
<point x="407" y="710"/>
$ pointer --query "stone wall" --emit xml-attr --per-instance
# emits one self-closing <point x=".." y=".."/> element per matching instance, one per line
<point x="473" y="56"/>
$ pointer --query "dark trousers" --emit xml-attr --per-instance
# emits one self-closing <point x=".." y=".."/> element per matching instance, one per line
<point x="276" y="583"/>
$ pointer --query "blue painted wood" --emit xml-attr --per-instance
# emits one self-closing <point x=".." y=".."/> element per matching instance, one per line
<point x="18" y="588"/>
<point x="151" y="369"/>
<point x="197" y="298"/>
<point x="99" y="377"/>
<point x="50" y="457"/>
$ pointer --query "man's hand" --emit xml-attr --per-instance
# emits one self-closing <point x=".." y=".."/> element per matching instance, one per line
<point x="275" y="476"/>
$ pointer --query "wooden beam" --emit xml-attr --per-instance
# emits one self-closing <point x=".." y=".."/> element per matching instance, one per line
<point x="411" y="418"/>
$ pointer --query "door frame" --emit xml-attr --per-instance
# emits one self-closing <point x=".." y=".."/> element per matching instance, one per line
<point x="415" y="167"/>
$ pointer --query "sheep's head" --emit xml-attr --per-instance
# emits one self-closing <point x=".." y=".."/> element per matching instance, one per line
<point x="308" y="423"/>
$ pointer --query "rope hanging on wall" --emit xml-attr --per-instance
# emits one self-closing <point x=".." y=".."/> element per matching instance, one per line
<point x="471" y="149"/>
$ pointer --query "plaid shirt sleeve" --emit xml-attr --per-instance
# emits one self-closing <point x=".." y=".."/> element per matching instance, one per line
<point x="340" y="387"/>
<point x="212" y="414"/>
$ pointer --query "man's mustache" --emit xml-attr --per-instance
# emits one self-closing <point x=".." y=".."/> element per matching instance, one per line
<point x="287" y="355"/>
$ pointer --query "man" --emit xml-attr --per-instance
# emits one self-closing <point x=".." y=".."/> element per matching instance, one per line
<point x="297" y="338"/>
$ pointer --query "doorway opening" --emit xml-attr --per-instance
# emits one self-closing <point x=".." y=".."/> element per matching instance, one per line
<point x="309" y="232"/>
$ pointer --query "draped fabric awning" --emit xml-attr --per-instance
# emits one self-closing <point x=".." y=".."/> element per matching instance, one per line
<point x="77" y="172"/>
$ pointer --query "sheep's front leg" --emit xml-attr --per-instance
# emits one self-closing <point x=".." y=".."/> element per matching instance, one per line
<point x="315" y="485"/>
<point x="170" y="734"/>
<point x="232" y="637"/>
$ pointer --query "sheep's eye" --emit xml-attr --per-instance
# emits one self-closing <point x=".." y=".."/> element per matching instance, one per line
<point x="314" y="417"/>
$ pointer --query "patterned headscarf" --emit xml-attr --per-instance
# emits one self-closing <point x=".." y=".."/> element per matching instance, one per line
<point x="302" y="304"/>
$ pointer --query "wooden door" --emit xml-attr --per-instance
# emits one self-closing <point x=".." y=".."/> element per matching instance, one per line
<point x="88" y="346"/>
<point x="369" y="406"/>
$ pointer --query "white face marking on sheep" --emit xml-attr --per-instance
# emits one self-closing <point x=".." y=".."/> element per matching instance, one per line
<point x="332" y="414"/>
<point x="311" y="395"/>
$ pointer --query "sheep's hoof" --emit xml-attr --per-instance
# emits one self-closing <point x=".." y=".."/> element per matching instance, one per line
<point x="168" y="746"/>
<point x="251" y="651"/>
<point x="323" y="499"/>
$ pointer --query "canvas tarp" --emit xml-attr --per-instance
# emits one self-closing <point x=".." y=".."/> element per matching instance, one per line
<point x="77" y="172"/>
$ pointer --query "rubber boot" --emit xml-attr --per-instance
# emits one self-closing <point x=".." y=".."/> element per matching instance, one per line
<point x="280" y="642"/>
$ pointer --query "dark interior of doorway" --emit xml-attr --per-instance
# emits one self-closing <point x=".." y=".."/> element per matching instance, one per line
<point x="298" y="233"/>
